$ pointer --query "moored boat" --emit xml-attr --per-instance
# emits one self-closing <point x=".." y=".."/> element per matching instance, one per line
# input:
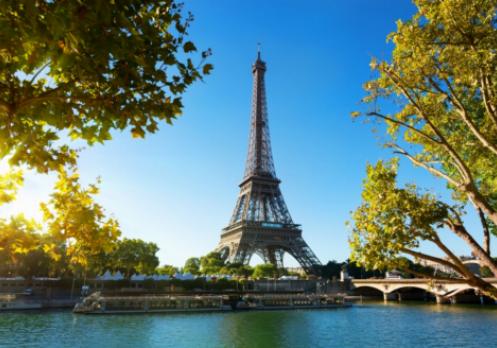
<point x="105" y="304"/>
<point x="291" y="301"/>
<point x="100" y="304"/>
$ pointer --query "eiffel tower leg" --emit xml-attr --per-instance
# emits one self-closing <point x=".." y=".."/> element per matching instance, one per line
<point x="279" y="257"/>
<point x="273" y="255"/>
<point x="304" y="256"/>
<point x="241" y="254"/>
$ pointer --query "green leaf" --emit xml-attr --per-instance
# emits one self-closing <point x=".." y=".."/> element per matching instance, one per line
<point x="206" y="69"/>
<point x="189" y="47"/>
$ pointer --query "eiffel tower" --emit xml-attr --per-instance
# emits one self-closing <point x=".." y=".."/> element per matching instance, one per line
<point x="260" y="223"/>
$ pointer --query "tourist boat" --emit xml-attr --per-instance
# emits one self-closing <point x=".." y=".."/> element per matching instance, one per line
<point x="291" y="301"/>
<point x="11" y="302"/>
<point x="101" y="304"/>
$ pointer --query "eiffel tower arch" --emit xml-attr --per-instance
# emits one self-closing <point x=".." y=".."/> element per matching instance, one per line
<point x="261" y="223"/>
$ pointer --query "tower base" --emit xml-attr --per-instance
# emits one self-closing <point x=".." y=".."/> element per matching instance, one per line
<point x="268" y="240"/>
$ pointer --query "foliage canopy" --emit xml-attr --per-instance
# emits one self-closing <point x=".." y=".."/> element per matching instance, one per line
<point x="442" y="79"/>
<point x="82" y="69"/>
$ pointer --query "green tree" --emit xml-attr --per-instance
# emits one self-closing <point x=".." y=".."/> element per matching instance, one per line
<point x="265" y="270"/>
<point x="443" y="75"/>
<point x="9" y="184"/>
<point x="192" y="265"/>
<point x="35" y="263"/>
<point x="77" y="225"/>
<point x="167" y="270"/>
<point x="237" y="269"/>
<point x="211" y="263"/>
<point x="18" y="237"/>
<point x="83" y="69"/>
<point x="135" y="256"/>
<point x="358" y="271"/>
<point x="331" y="269"/>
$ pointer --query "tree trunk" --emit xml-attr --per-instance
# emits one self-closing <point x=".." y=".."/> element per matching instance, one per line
<point x="475" y="196"/>
<point x="486" y="232"/>
<point x="477" y="250"/>
<point x="486" y="288"/>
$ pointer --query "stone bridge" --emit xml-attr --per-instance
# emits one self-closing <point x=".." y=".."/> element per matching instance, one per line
<point x="444" y="290"/>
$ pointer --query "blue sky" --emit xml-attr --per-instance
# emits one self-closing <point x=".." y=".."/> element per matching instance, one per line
<point x="179" y="186"/>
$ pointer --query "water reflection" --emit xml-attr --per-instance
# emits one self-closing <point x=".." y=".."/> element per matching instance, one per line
<point x="403" y="325"/>
<point x="265" y="329"/>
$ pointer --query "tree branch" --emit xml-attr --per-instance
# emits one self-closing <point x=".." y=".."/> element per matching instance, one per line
<point x="414" y="129"/>
<point x="465" y="117"/>
<point x="39" y="71"/>
<point x="486" y="98"/>
<point x="463" y="169"/>
<point x="486" y="232"/>
<point x="477" y="250"/>
<point x="469" y="186"/>
<point x="430" y="258"/>
<point x="424" y="275"/>
<point x="417" y="162"/>
<point x="460" y="266"/>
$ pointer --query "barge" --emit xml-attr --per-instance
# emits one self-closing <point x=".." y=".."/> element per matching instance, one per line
<point x="291" y="301"/>
<point x="104" y="304"/>
<point x="99" y="304"/>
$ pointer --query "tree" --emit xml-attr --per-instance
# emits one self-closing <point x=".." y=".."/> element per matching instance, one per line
<point x="211" y="263"/>
<point x="77" y="225"/>
<point x="9" y="184"/>
<point x="83" y="69"/>
<point x="167" y="270"/>
<point x="331" y="269"/>
<point x="265" y="270"/>
<point x="192" y="265"/>
<point x="18" y="237"/>
<point x="135" y="256"/>
<point x="442" y="76"/>
<point x="237" y="269"/>
<point x="358" y="271"/>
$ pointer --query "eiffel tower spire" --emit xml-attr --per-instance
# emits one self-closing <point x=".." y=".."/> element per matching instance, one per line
<point x="259" y="158"/>
<point x="260" y="222"/>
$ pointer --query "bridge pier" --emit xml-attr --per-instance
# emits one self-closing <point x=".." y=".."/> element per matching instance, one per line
<point x="439" y="299"/>
<point x="388" y="296"/>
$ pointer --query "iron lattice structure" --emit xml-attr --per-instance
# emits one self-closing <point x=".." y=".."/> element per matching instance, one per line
<point x="261" y="223"/>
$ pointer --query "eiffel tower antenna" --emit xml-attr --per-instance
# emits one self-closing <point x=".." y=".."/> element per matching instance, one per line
<point x="261" y="223"/>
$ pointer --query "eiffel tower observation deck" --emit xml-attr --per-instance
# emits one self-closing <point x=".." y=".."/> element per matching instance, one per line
<point x="261" y="223"/>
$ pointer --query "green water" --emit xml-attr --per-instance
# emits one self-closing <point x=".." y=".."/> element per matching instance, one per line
<point x="373" y="325"/>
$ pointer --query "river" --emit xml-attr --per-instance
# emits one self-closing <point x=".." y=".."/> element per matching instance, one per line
<point x="368" y="325"/>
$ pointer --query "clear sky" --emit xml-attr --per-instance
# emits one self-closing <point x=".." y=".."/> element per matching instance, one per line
<point x="179" y="186"/>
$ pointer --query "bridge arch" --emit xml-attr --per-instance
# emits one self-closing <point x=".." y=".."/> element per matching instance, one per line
<point x="369" y="292"/>
<point x="424" y="287"/>
<point x="378" y="287"/>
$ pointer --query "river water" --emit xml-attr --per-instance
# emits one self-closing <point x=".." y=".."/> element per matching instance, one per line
<point x="368" y="325"/>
